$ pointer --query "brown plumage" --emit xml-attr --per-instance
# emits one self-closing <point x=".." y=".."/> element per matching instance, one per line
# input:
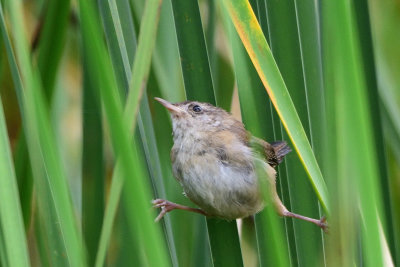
<point x="274" y="152"/>
<point x="214" y="158"/>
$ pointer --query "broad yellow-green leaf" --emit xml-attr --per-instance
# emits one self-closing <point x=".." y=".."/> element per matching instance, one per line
<point x="256" y="45"/>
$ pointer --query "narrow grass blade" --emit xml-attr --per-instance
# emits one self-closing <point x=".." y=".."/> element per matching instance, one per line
<point x="11" y="221"/>
<point x="224" y="81"/>
<point x="308" y="24"/>
<point x="22" y="167"/>
<point x="289" y="53"/>
<point x="199" y="87"/>
<point x="193" y="51"/>
<point x="393" y="158"/>
<point x="271" y="240"/>
<point x="23" y="172"/>
<point x="209" y="36"/>
<point x="150" y="146"/>
<point x="394" y="182"/>
<point x="221" y="249"/>
<point x="51" y="42"/>
<point x="253" y="39"/>
<point x="138" y="190"/>
<point x="109" y="215"/>
<point x="346" y="77"/>
<point x="368" y="63"/>
<point x="137" y="84"/>
<point x="308" y="21"/>
<point x="167" y="82"/>
<point x="274" y="132"/>
<point x="165" y="62"/>
<point x="310" y="47"/>
<point x="48" y="171"/>
<point x="119" y="37"/>
<point x="3" y="253"/>
<point x="221" y="69"/>
<point x="50" y="249"/>
<point x="93" y="177"/>
<point x="384" y="16"/>
<point x="183" y="223"/>
<point x="51" y="37"/>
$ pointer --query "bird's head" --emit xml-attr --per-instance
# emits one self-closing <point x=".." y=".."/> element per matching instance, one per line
<point x="193" y="116"/>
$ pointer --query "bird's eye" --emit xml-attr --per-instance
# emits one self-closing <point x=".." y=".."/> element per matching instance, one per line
<point x="196" y="108"/>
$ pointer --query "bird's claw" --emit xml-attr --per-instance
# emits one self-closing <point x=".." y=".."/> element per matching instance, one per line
<point x="165" y="206"/>
<point x="158" y="203"/>
<point x="323" y="224"/>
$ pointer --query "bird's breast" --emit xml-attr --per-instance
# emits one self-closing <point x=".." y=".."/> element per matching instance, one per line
<point x="220" y="185"/>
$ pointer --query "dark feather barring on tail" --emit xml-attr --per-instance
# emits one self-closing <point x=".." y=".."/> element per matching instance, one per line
<point x="281" y="149"/>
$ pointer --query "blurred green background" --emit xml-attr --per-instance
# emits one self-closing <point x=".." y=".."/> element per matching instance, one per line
<point x="84" y="147"/>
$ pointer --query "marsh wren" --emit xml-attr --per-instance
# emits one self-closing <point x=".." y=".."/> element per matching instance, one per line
<point x="214" y="159"/>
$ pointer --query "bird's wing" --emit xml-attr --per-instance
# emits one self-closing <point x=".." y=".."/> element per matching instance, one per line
<point x="274" y="152"/>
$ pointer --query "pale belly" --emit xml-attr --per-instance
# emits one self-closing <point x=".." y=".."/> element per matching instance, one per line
<point x="219" y="189"/>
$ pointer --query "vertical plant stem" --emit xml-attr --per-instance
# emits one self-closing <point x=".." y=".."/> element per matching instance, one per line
<point x="199" y="86"/>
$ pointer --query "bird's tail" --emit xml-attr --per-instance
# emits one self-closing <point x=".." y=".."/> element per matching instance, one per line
<point x="281" y="149"/>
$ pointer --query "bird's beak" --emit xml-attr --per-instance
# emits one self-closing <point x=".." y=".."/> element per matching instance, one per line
<point x="171" y="107"/>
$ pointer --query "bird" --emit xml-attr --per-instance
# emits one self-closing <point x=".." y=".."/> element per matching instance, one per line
<point x="215" y="159"/>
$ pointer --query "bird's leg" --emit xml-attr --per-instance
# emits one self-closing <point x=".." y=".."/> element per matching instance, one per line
<point x="282" y="210"/>
<point x="321" y="222"/>
<point x="167" y="206"/>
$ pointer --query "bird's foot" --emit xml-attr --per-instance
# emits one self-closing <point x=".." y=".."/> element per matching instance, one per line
<point x="167" y="206"/>
<point x="323" y="224"/>
<point x="320" y="223"/>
